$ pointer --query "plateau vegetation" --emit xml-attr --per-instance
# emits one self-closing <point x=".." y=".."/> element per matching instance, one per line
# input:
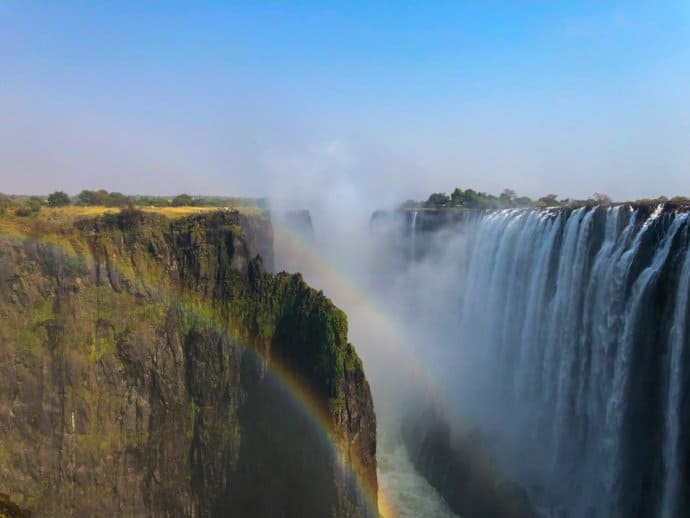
<point x="472" y="199"/>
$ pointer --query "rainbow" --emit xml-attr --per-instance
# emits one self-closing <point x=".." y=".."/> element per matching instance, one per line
<point x="342" y="286"/>
<point x="347" y="293"/>
<point x="300" y="394"/>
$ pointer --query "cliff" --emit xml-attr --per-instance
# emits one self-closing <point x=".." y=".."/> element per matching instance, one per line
<point x="152" y="367"/>
<point x="292" y="230"/>
<point x="461" y="468"/>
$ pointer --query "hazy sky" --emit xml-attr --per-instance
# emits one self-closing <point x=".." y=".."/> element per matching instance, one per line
<point x="390" y="99"/>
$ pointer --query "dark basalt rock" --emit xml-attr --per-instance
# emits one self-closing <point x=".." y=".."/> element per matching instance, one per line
<point x="460" y="468"/>
<point x="299" y="220"/>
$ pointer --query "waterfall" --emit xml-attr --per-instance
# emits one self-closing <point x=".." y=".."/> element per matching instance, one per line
<point x="413" y="236"/>
<point x="678" y="342"/>
<point x="572" y="334"/>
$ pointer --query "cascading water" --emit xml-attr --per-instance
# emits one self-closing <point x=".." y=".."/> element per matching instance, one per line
<point x="558" y="336"/>
<point x="572" y="333"/>
<point x="677" y="356"/>
<point x="413" y="236"/>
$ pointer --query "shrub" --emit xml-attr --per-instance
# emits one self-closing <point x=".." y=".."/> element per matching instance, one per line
<point x="93" y="197"/>
<point x="182" y="200"/>
<point x="117" y="199"/>
<point x="129" y="218"/>
<point x="24" y="212"/>
<point x="59" y="199"/>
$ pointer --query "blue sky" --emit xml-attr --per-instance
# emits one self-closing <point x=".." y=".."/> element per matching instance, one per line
<point x="381" y="99"/>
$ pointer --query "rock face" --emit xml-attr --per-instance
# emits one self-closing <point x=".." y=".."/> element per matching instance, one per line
<point x="292" y="231"/>
<point x="258" y="232"/>
<point x="413" y="235"/>
<point x="153" y="368"/>
<point x="298" y="219"/>
<point x="459" y="467"/>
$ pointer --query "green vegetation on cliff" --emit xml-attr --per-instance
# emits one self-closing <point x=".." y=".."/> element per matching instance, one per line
<point x="471" y="199"/>
<point x="139" y="368"/>
<point x="31" y="205"/>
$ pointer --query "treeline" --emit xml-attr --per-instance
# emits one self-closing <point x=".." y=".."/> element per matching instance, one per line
<point x="471" y="199"/>
<point x="103" y="198"/>
<point x="25" y="206"/>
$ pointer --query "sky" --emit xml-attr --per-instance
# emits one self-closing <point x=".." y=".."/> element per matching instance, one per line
<point x="388" y="100"/>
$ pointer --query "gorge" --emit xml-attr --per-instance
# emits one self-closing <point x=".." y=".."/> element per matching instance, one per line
<point x="344" y="259"/>
<point x="523" y="362"/>
<point x="538" y="353"/>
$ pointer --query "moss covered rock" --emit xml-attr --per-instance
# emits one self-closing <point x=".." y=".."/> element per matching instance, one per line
<point x="153" y="367"/>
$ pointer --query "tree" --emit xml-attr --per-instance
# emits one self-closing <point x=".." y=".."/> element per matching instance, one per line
<point x="5" y="203"/>
<point x="457" y="196"/>
<point x="438" y="199"/>
<point x="35" y="203"/>
<point x="59" y="199"/>
<point x="550" y="200"/>
<point x="507" y="198"/>
<point x="473" y="199"/>
<point x="117" y="199"/>
<point x="99" y="197"/>
<point x="602" y="199"/>
<point x="182" y="200"/>
<point x="86" y="197"/>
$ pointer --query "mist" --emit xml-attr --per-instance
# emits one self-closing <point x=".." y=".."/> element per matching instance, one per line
<point x="514" y="329"/>
<point x="401" y="299"/>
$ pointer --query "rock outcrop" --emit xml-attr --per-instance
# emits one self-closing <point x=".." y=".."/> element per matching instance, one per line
<point x="460" y="467"/>
<point x="151" y="367"/>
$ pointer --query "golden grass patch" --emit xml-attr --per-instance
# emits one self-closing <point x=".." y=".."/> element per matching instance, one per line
<point x="61" y="216"/>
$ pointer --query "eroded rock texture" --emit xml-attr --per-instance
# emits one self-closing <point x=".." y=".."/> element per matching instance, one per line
<point x="153" y="368"/>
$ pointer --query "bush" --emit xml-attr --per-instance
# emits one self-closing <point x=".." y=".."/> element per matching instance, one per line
<point x="129" y="218"/>
<point x="93" y="197"/>
<point x="117" y="199"/>
<point x="24" y="212"/>
<point x="5" y="203"/>
<point x="182" y="200"/>
<point x="437" y="199"/>
<point x="35" y="204"/>
<point x="59" y="199"/>
<point x="152" y="201"/>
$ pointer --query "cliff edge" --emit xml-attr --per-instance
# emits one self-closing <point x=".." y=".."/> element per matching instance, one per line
<point x="152" y="367"/>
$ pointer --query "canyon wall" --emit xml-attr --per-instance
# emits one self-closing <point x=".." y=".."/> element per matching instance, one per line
<point x="152" y="367"/>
